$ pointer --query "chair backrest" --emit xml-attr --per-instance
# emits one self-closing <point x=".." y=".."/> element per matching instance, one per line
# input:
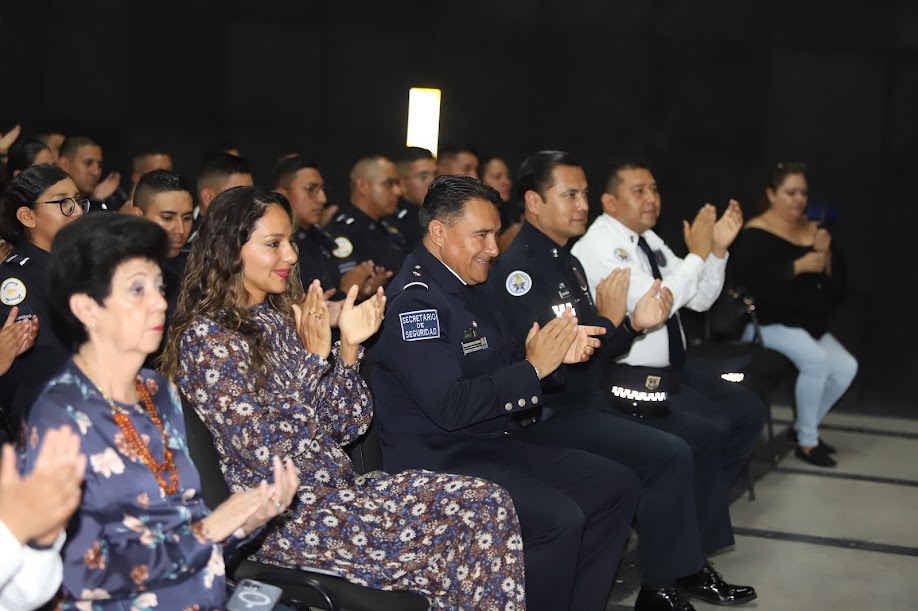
<point x="204" y="456"/>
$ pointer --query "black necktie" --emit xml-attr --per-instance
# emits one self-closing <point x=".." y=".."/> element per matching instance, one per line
<point x="676" y="349"/>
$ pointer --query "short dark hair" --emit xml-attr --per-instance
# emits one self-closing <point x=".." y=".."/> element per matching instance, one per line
<point x="450" y="151"/>
<point x="153" y="183"/>
<point x="776" y="178"/>
<point x="285" y="169"/>
<point x="447" y="196"/>
<point x="84" y="256"/>
<point x="619" y="166"/>
<point x="221" y="166"/>
<point x="409" y="155"/>
<point x="24" y="190"/>
<point x="535" y="172"/>
<point x="142" y="154"/>
<point x="73" y="143"/>
<point x="23" y="153"/>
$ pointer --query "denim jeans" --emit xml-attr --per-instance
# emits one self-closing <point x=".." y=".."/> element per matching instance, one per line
<point x="826" y="371"/>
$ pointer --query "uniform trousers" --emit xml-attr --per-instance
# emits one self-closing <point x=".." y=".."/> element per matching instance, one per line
<point x="728" y="406"/>
<point x="575" y="511"/>
<point x="683" y="513"/>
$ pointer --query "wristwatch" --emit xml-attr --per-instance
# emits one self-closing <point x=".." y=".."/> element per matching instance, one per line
<point x="626" y="323"/>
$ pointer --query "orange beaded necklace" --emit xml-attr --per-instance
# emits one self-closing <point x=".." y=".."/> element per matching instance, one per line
<point x="132" y="438"/>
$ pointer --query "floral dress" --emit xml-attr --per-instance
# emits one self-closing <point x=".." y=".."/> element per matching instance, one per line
<point x="455" y="539"/>
<point x="129" y="546"/>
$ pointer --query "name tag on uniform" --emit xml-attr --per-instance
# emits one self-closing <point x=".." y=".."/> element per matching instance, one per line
<point x="475" y="345"/>
<point x="420" y="324"/>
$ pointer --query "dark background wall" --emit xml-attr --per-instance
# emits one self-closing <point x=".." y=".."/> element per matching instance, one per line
<point x="712" y="93"/>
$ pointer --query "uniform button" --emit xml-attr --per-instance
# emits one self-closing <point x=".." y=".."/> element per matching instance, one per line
<point x="508" y="407"/>
<point x="535" y="400"/>
<point x="521" y="402"/>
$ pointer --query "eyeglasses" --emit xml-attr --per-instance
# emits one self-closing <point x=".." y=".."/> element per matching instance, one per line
<point x="69" y="204"/>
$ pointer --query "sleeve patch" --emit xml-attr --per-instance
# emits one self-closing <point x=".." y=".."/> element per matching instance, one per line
<point x="419" y="325"/>
<point x="343" y="247"/>
<point x="518" y="283"/>
<point x="12" y="291"/>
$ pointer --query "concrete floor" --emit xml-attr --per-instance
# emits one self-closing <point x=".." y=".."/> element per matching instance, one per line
<point x="844" y="539"/>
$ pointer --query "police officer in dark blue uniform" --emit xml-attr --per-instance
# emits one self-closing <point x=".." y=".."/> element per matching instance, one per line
<point x="359" y="231"/>
<point x="535" y="279"/>
<point x="447" y="379"/>
<point x="37" y="203"/>
<point x="417" y="168"/>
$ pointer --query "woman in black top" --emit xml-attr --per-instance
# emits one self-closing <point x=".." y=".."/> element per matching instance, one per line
<point x="786" y="262"/>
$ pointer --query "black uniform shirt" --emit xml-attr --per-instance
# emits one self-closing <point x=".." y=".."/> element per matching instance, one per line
<point x="533" y="281"/>
<point x="316" y="261"/>
<point x="24" y="283"/>
<point x="444" y="367"/>
<point x="359" y="238"/>
<point x="406" y="221"/>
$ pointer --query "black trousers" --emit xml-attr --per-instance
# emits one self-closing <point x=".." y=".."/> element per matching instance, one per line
<point x="729" y="406"/>
<point x="575" y="511"/>
<point x="675" y="528"/>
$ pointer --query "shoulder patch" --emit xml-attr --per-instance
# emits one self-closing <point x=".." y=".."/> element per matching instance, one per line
<point x="518" y="283"/>
<point x="420" y="324"/>
<point x="12" y="291"/>
<point x="343" y="247"/>
<point x="622" y="255"/>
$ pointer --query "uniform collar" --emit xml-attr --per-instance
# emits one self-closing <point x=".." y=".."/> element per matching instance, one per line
<point x="359" y="215"/>
<point x="27" y="249"/>
<point x="443" y="275"/>
<point x="621" y="228"/>
<point x="540" y="243"/>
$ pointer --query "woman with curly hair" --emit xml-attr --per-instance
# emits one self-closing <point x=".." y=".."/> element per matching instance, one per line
<point x="254" y="358"/>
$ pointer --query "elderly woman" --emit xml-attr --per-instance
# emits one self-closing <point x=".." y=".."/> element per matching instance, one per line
<point x="37" y="203"/>
<point x="786" y="261"/>
<point x="142" y="537"/>
<point x="258" y="366"/>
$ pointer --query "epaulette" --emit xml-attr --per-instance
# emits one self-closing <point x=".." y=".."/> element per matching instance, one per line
<point x="17" y="259"/>
<point x="417" y="279"/>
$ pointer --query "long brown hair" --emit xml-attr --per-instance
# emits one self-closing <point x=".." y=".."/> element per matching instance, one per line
<point x="212" y="285"/>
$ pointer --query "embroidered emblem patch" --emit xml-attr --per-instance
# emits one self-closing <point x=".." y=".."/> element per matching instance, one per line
<point x="661" y="258"/>
<point x="518" y="283"/>
<point x="622" y="255"/>
<point x="420" y="324"/>
<point x="12" y="291"/>
<point x="343" y="247"/>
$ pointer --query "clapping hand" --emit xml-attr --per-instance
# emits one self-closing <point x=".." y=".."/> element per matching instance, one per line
<point x="612" y="295"/>
<point x="727" y="228"/>
<point x="548" y="347"/>
<point x="7" y="139"/>
<point x="359" y="322"/>
<point x="653" y="308"/>
<point x="585" y="344"/>
<point x="245" y="511"/>
<point x="312" y="321"/>
<point x="107" y="187"/>
<point x="16" y="338"/>
<point x="699" y="236"/>
<point x="37" y="507"/>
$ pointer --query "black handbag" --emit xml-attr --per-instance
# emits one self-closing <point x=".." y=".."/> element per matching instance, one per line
<point x="728" y="316"/>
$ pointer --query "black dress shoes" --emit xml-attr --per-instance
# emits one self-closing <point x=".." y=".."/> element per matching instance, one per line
<point x="792" y="435"/>
<point x="664" y="599"/>
<point x="708" y="585"/>
<point x="816" y="456"/>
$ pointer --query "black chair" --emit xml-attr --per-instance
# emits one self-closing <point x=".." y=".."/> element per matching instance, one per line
<point x="302" y="588"/>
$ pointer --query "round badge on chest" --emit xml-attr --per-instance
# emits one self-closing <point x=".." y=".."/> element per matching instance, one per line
<point x="518" y="283"/>
<point x="12" y="291"/>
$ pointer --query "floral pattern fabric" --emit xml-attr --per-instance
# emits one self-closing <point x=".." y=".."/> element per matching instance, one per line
<point x="455" y="539"/>
<point x="129" y="546"/>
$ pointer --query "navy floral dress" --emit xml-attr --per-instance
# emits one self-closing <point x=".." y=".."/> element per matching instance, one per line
<point x="455" y="539"/>
<point x="129" y="545"/>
